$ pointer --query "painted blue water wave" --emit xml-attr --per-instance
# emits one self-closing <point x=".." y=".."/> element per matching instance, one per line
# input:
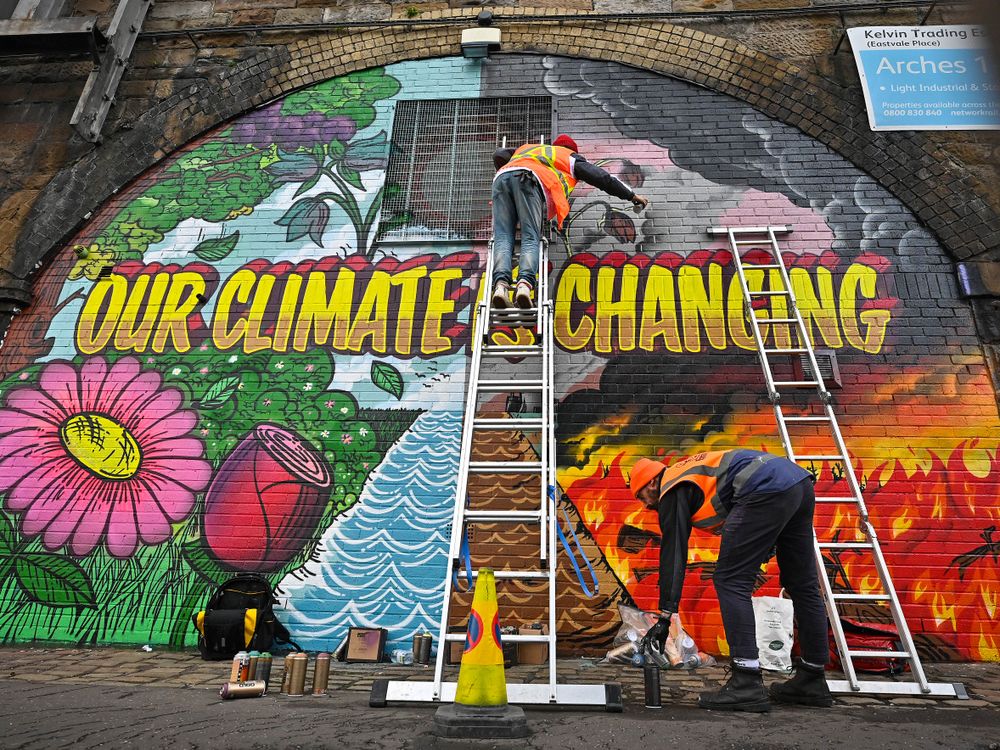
<point x="382" y="564"/>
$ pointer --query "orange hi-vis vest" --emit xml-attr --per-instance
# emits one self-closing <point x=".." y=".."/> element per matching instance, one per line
<point x="553" y="167"/>
<point x="706" y="470"/>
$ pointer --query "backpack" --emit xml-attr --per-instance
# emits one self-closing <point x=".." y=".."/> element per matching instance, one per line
<point x="239" y="617"/>
<point x="870" y="636"/>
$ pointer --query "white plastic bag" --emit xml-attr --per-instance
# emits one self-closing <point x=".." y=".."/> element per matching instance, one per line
<point x="774" y="619"/>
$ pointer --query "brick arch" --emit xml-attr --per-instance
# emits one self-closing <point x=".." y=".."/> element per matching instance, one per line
<point x="940" y="192"/>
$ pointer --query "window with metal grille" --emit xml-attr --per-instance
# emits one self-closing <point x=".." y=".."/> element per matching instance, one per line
<point x="441" y="163"/>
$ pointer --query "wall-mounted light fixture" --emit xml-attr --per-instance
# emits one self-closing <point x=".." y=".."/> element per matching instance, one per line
<point x="478" y="42"/>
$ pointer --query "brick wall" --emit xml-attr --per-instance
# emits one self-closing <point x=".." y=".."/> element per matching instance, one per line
<point x="258" y="385"/>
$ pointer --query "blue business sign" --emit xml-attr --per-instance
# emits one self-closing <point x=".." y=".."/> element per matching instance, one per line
<point x="927" y="77"/>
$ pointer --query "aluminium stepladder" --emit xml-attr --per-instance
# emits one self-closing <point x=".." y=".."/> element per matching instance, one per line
<point x="763" y="242"/>
<point x="533" y="349"/>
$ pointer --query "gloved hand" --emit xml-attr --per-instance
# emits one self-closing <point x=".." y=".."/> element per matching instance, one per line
<point x="656" y="635"/>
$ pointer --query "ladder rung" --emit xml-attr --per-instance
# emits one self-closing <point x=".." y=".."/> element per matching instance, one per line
<point x="512" y="516"/>
<point x="507" y="385"/>
<point x="862" y="597"/>
<point x="844" y="545"/>
<point x="769" y="293"/>
<point x="509" y="423"/>
<point x="529" y="350"/>
<point x="819" y="457"/>
<point x="805" y="419"/>
<point x="777" y="229"/>
<point x="836" y="499"/>
<point x="505" y="467"/>
<point x="796" y="383"/>
<point x="759" y="266"/>
<point x="512" y="575"/>
<point x="785" y="351"/>
<point x="775" y="320"/>
<point x="879" y="654"/>
<point x="505" y="638"/>
<point x="513" y="312"/>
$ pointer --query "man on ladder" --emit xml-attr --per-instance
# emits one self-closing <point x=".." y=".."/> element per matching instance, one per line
<point x="529" y="179"/>
<point x="756" y="501"/>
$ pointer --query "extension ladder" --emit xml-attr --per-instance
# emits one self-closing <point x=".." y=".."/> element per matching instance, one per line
<point x="763" y="241"/>
<point x="532" y="348"/>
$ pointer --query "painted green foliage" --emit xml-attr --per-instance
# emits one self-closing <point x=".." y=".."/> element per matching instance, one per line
<point x="140" y="583"/>
<point x="226" y="177"/>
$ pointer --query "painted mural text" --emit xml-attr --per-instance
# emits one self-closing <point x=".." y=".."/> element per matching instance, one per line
<point x="350" y="305"/>
<point x="609" y="305"/>
<point x="622" y="303"/>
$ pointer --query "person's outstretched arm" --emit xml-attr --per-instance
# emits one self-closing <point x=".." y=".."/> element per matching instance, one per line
<point x="602" y="180"/>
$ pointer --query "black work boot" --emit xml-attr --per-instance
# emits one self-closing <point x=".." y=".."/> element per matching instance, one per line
<point x="806" y="688"/>
<point x="743" y="692"/>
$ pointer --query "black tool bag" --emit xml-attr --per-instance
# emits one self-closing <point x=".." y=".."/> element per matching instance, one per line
<point x="239" y="616"/>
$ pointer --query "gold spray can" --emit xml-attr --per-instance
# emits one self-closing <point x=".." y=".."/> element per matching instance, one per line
<point x="297" y="681"/>
<point x="321" y="674"/>
<point x="251" y="689"/>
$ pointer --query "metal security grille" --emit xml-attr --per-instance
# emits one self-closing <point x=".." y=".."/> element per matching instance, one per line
<point x="441" y="164"/>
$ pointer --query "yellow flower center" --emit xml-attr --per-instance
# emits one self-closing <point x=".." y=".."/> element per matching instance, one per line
<point x="101" y="445"/>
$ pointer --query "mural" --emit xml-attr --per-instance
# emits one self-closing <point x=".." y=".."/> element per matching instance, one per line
<point x="232" y="368"/>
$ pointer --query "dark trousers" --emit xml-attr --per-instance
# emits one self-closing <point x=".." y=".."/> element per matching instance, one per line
<point x="755" y="525"/>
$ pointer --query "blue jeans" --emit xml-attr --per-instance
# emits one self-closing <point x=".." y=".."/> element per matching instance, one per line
<point x="753" y="526"/>
<point x="517" y="197"/>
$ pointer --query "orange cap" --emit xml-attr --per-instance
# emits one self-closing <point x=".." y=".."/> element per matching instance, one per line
<point x="644" y="471"/>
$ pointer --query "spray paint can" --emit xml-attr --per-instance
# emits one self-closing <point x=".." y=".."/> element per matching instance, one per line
<point x="626" y="651"/>
<point x="422" y="648"/>
<point x="651" y="683"/>
<point x="286" y="675"/>
<point x="234" y="673"/>
<point x="252" y="668"/>
<point x="251" y="689"/>
<point x="297" y="680"/>
<point x="264" y="669"/>
<point x="321" y="674"/>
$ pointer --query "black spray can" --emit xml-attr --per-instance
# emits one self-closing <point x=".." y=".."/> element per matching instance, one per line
<point x="651" y="682"/>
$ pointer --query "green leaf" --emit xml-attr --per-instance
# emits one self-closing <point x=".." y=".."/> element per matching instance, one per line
<point x="220" y="392"/>
<point x="352" y="176"/>
<point x="7" y="536"/>
<point x="202" y="563"/>
<point x="388" y="378"/>
<point x="54" y="580"/>
<point x="217" y="248"/>
<point x="308" y="185"/>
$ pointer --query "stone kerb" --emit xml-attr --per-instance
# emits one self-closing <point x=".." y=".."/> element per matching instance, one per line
<point x="940" y="192"/>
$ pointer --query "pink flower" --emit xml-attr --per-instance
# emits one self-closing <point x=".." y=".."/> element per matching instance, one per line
<point x="346" y="439"/>
<point x="99" y="452"/>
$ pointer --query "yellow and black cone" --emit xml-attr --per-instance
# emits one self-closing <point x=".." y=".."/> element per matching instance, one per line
<point x="481" y="680"/>
<point x="481" y="710"/>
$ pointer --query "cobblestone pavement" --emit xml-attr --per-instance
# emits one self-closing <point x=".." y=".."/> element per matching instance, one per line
<point x="119" y="666"/>
<point x="126" y="698"/>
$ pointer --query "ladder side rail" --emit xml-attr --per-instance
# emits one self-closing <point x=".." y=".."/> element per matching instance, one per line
<point x="754" y="324"/>
<point x="482" y="309"/>
<point x="550" y="480"/>
<point x="833" y="616"/>
<point x="545" y="406"/>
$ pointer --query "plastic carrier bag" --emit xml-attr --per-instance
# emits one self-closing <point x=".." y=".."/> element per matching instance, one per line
<point x="774" y="619"/>
<point x="679" y="651"/>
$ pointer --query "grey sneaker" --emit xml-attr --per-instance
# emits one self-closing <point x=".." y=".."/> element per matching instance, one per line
<point x="501" y="295"/>
<point x="522" y="295"/>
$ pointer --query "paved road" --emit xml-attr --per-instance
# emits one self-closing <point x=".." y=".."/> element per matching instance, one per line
<point x="56" y="715"/>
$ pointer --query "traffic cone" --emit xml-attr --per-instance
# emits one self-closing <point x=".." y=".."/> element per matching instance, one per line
<point x="481" y="710"/>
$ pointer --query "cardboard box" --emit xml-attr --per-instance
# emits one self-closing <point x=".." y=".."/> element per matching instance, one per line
<point x="532" y="653"/>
